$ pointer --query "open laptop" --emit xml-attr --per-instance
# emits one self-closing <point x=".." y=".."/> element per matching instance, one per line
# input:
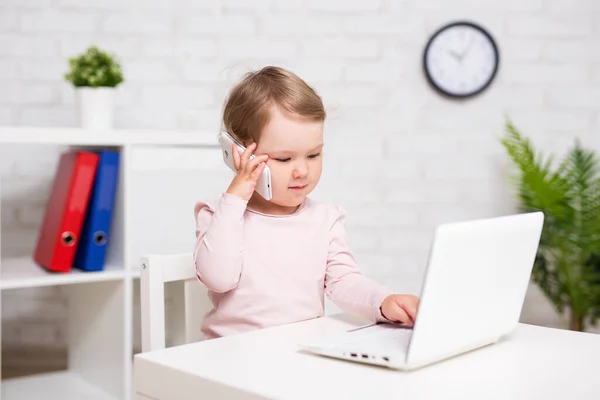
<point x="474" y="288"/>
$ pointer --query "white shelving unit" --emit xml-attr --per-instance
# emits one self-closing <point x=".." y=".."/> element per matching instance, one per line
<point x="100" y="304"/>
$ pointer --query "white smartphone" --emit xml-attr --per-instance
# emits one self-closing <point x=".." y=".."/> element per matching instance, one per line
<point x="263" y="186"/>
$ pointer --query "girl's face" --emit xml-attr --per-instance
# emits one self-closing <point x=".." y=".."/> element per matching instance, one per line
<point x="294" y="146"/>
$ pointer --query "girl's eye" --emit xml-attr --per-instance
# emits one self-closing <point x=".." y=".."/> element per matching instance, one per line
<point x="283" y="159"/>
<point x="314" y="155"/>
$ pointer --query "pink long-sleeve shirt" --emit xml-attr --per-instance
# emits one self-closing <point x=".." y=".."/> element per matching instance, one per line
<point x="266" y="270"/>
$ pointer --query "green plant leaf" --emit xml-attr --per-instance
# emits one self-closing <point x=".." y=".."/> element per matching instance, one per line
<point x="94" y="68"/>
<point x="567" y="266"/>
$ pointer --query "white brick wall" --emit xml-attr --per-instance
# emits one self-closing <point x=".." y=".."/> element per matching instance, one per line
<point x="399" y="158"/>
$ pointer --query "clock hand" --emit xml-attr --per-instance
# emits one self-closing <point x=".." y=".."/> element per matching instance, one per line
<point x="466" y="49"/>
<point x="455" y="55"/>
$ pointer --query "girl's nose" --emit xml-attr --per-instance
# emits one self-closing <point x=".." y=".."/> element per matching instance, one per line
<point x="300" y="171"/>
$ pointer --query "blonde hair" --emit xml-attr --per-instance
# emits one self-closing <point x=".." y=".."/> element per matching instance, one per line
<point x="247" y="108"/>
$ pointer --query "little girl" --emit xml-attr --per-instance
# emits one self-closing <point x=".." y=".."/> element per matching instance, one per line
<point x="268" y="263"/>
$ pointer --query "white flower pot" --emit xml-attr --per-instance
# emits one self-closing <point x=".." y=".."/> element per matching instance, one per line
<point x="96" y="107"/>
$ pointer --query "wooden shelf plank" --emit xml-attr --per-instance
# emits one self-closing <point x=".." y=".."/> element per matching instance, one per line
<point x="23" y="272"/>
<point x="115" y="137"/>
<point x="64" y="385"/>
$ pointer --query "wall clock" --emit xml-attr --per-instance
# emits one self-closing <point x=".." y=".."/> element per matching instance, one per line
<point x="461" y="59"/>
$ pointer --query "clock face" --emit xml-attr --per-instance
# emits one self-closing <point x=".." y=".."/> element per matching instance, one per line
<point x="461" y="59"/>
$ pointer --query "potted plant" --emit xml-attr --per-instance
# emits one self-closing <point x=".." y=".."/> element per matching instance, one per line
<point x="95" y="74"/>
<point x="567" y="266"/>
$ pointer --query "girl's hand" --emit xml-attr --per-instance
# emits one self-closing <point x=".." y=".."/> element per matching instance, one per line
<point x="401" y="308"/>
<point x="248" y="172"/>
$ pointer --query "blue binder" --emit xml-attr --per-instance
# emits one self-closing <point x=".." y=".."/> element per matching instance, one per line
<point x="91" y="251"/>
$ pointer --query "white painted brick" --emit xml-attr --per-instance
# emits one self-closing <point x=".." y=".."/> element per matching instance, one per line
<point x="50" y="71"/>
<point x="59" y="22"/>
<point x="562" y="7"/>
<point x="8" y="21"/>
<point x="341" y="48"/>
<point x="522" y="49"/>
<point x="185" y="48"/>
<point x="258" y="48"/>
<point x="9" y="70"/>
<point x="555" y="26"/>
<point x="571" y="51"/>
<point x="29" y="4"/>
<point x="517" y="95"/>
<point x="34" y="166"/>
<point x="201" y="71"/>
<point x="400" y="168"/>
<point x="5" y="116"/>
<point x="32" y="310"/>
<point x="44" y="117"/>
<point x="314" y="73"/>
<point x="223" y="25"/>
<point x="121" y="48"/>
<point x="380" y="215"/>
<point x="403" y="239"/>
<point x="423" y="143"/>
<point x="454" y="213"/>
<point x="385" y="24"/>
<point x="468" y="5"/>
<point x="348" y="97"/>
<point x="184" y="6"/>
<point x="574" y="96"/>
<point x="374" y="72"/>
<point x="288" y="5"/>
<point x="243" y="5"/>
<point x="137" y="23"/>
<point x="448" y="168"/>
<point x="175" y="97"/>
<point x="489" y="193"/>
<point x="26" y="191"/>
<point x="108" y="5"/>
<point x="15" y="93"/>
<point x="545" y="73"/>
<point x="347" y="191"/>
<point x="19" y="243"/>
<point x="40" y="334"/>
<point x="141" y="117"/>
<point x="343" y="5"/>
<point x="199" y="120"/>
<point x="573" y="121"/>
<point x="41" y="294"/>
<point x="35" y="47"/>
<point x="8" y="217"/>
<point x="363" y="239"/>
<point x="148" y="71"/>
<point x="409" y="192"/>
<point x="302" y="25"/>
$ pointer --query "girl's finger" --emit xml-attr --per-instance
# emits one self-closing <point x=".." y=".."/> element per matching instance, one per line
<point x="254" y="162"/>
<point x="236" y="157"/>
<point x="246" y="155"/>
<point x="410" y="310"/>
<point x="398" y="315"/>
<point x="259" y="169"/>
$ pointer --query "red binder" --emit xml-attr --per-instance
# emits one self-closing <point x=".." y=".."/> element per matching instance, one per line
<point x="59" y="234"/>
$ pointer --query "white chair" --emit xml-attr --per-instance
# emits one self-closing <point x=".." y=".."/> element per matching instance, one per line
<point x="190" y="300"/>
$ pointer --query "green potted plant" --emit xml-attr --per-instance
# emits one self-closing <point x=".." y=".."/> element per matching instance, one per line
<point x="95" y="74"/>
<point x="567" y="266"/>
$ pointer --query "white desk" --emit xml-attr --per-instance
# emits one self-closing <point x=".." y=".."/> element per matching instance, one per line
<point x="534" y="363"/>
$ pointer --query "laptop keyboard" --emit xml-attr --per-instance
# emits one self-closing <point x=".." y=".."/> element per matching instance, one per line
<point x="381" y="336"/>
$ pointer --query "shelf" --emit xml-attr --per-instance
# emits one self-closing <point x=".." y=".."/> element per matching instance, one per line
<point x="63" y="385"/>
<point x="115" y="137"/>
<point x="23" y="272"/>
